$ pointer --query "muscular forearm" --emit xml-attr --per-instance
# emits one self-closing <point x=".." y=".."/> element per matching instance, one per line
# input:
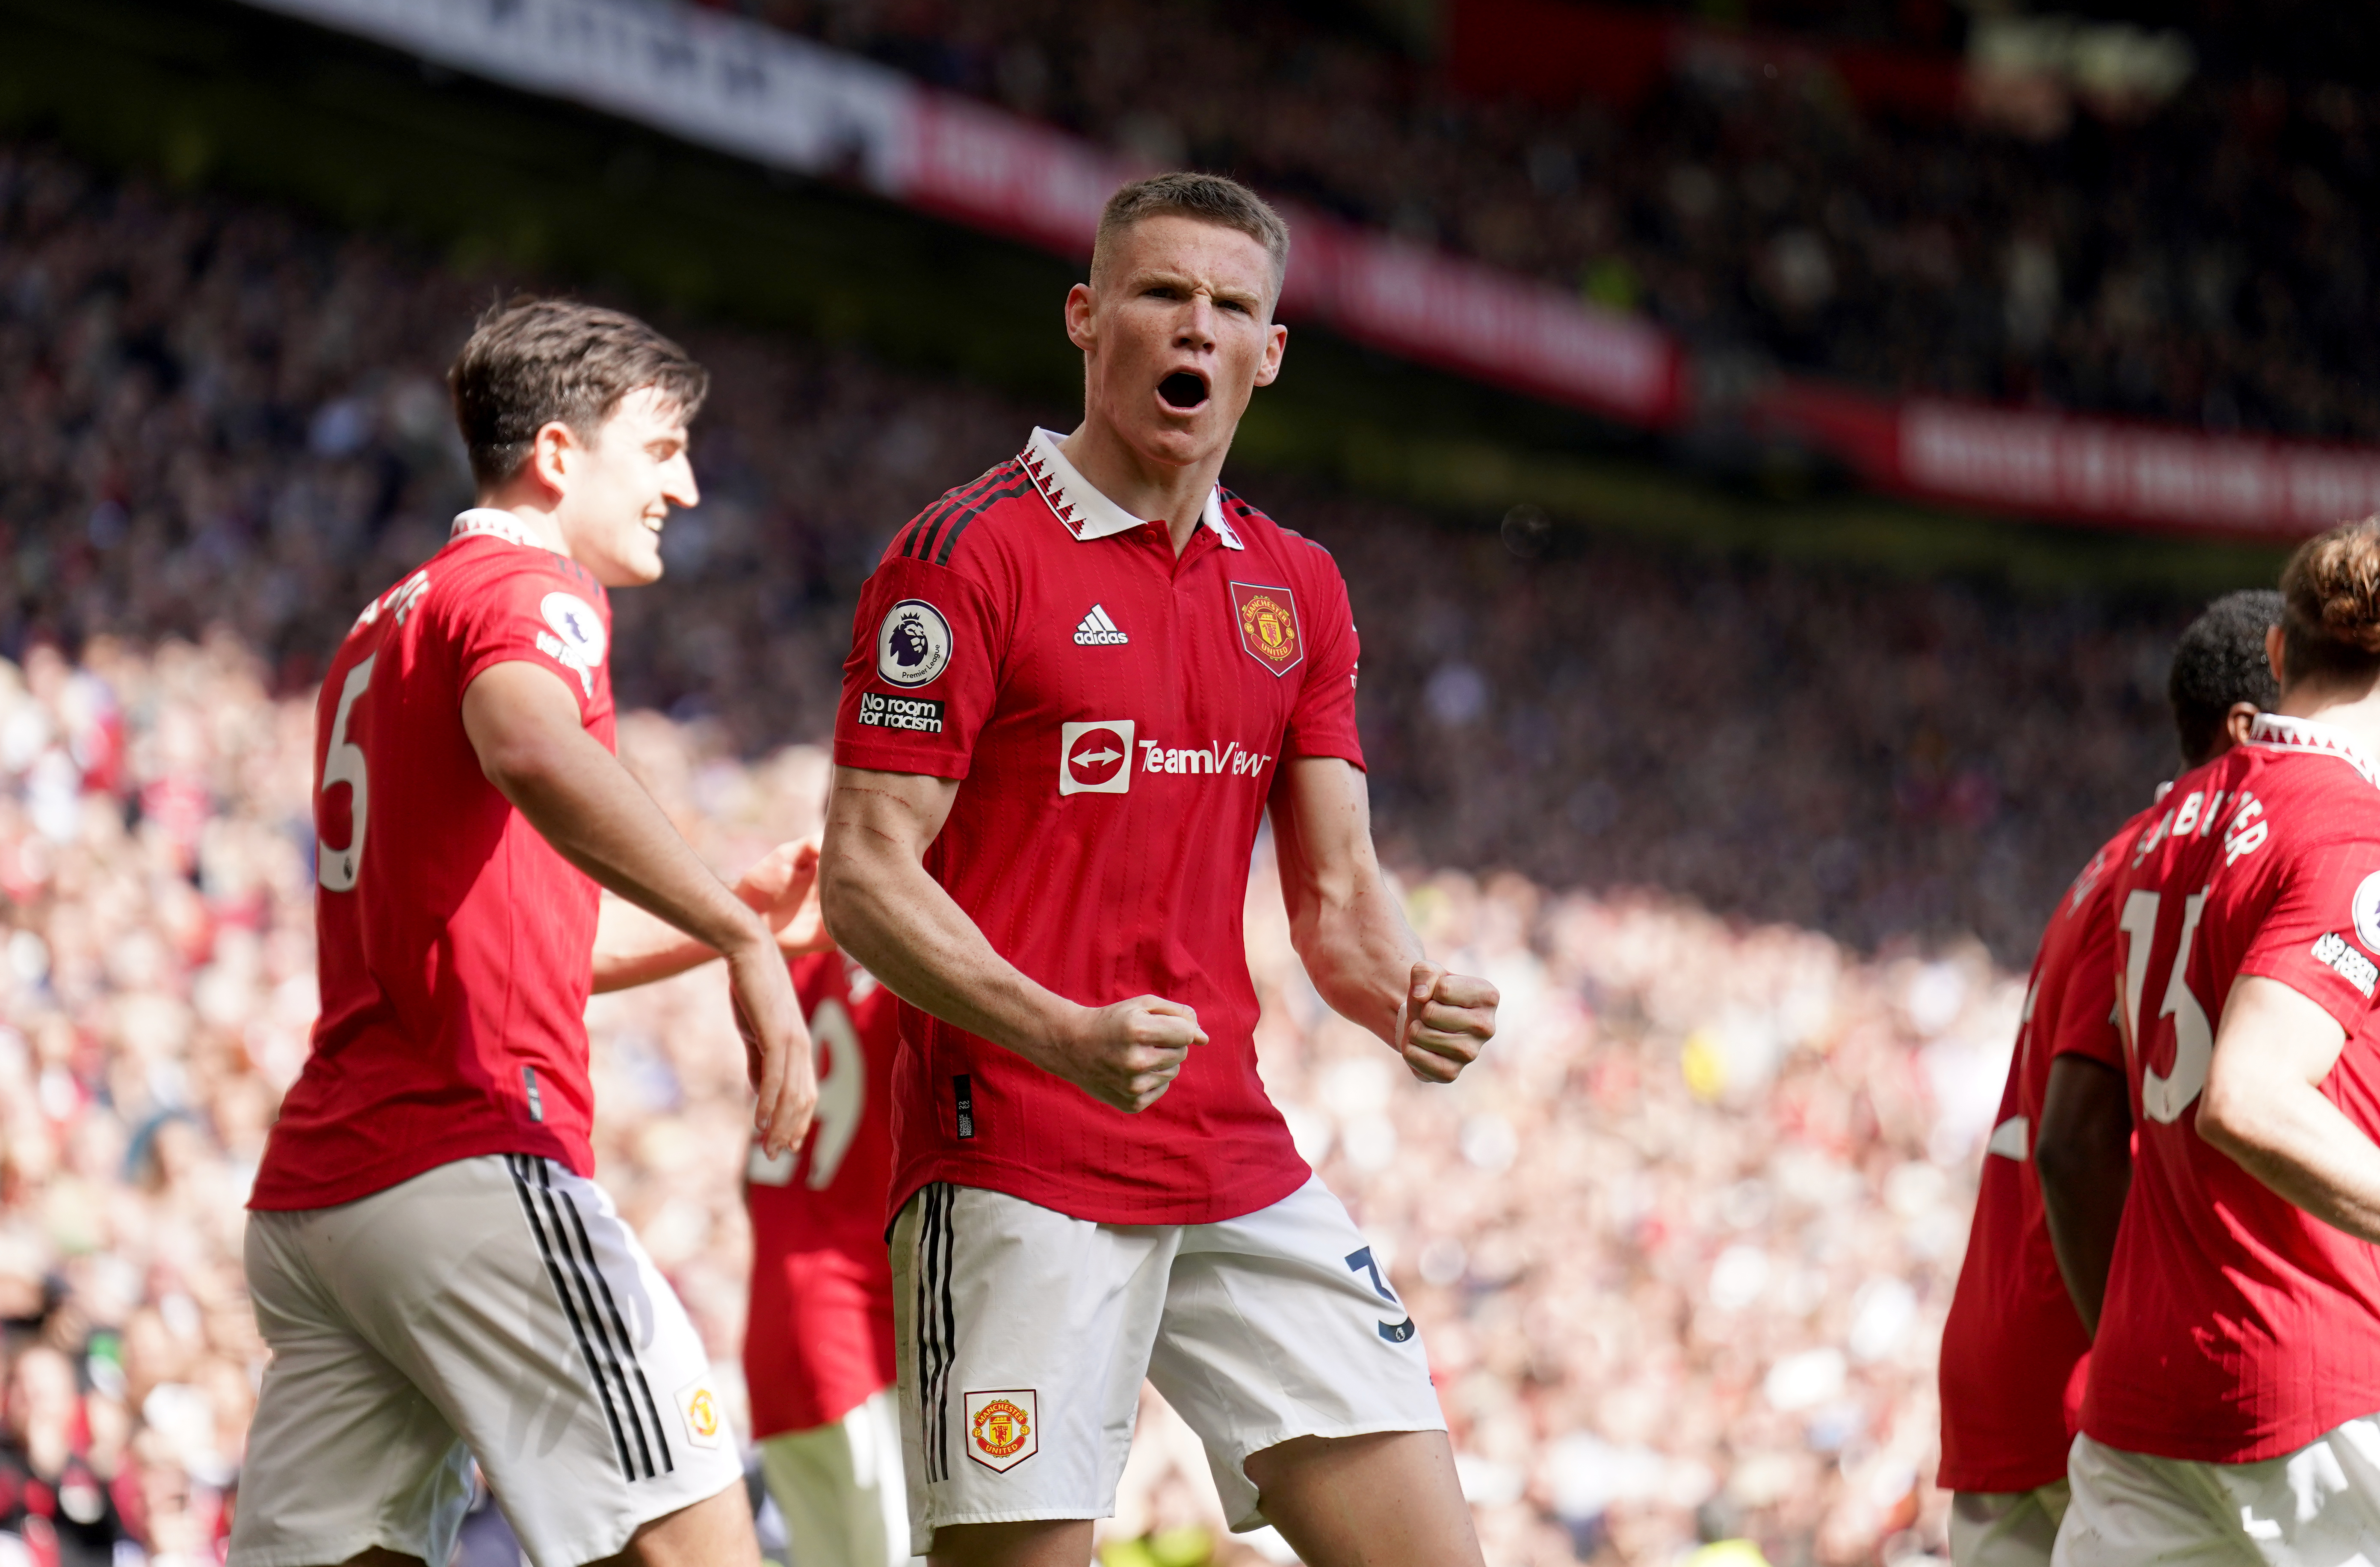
<point x="2290" y="1136"/>
<point x="1359" y="950"/>
<point x="884" y="910"/>
<point x="584" y="803"/>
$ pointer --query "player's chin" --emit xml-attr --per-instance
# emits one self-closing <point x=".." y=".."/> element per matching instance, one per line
<point x="638" y="566"/>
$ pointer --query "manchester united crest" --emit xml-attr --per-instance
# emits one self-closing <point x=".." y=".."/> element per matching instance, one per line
<point x="1003" y="1428"/>
<point x="1268" y="627"/>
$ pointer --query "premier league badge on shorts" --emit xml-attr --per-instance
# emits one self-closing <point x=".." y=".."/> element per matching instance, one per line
<point x="1003" y="1428"/>
<point x="913" y="646"/>
<point x="1269" y="626"/>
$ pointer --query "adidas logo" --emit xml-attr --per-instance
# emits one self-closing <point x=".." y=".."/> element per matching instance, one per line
<point x="1098" y="631"/>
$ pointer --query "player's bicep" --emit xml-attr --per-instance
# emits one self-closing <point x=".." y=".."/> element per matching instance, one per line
<point x="522" y="721"/>
<point x="873" y="814"/>
<point x="1322" y="829"/>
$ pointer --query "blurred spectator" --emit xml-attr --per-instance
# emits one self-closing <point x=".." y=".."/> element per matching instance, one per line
<point x="2204" y="261"/>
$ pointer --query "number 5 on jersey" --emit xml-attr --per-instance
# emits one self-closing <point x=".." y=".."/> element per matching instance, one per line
<point x="343" y="762"/>
<point x="2163" y="1099"/>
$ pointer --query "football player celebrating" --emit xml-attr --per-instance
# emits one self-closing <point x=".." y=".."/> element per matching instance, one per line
<point x="438" y="1277"/>
<point x="2236" y="1371"/>
<point x="2018" y="1340"/>
<point x="818" y="1341"/>
<point x="1076" y="685"/>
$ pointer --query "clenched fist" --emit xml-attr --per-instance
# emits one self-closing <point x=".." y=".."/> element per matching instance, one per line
<point x="1128" y="1054"/>
<point x="1444" y="1023"/>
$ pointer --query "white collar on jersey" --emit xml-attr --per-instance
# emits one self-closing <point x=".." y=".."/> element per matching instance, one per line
<point x="2305" y="734"/>
<point x="487" y="521"/>
<point x="1086" y="512"/>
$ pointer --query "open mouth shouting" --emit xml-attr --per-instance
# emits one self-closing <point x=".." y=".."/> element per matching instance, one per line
<point x="1184" y="391"/>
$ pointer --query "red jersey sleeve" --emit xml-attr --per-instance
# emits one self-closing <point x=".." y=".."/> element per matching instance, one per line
<point x="927" y="647"/>
<point x="517" y="614"/>
<point x="2085" y="1023"/>
<point x="2312" y="939"/>
<point x="1323" y="722"/>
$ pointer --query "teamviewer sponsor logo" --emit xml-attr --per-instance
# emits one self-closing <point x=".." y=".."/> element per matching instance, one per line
<point x="1095" y="758"/>
<point x="920" y="713"/>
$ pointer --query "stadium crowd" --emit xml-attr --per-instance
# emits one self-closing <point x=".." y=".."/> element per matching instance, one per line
<point x="223" y="416"/>
<point x="2203" y="260"/>
<point x="1680" y="1250"/>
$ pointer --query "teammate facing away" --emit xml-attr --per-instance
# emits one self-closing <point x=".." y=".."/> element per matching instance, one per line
<point x="437" y="1275"/>
<point x="2016" y="1346"/>
<point x="2235" y="1373"/>
<point x="818" y="1341"/>
<point x="1076" y="685"/>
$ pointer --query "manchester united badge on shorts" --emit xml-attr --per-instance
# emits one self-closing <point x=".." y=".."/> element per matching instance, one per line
<point x="1003" y="1427"/>
<point x="699" y="1406"/>
<point x="1268" y="631"/>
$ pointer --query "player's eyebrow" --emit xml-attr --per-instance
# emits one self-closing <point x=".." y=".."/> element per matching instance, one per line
<point x="1222" y="293"/>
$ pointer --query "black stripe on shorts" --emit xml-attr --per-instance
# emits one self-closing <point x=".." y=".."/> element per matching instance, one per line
<point x="570" y="1267"/>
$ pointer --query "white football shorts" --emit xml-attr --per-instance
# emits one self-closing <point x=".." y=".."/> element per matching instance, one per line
<point x="840" y="1488"/>
<point x="1024" y="1337"/>
<point x="2320" y="1504"/>
<point x="2006" y="1528"/>
<point x="494" y="1308"/>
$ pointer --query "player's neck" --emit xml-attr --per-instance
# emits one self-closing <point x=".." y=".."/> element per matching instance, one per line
<point x="1157" y="491"/>
<point x="539" y="522"/>
<point x="2353" y="714"/>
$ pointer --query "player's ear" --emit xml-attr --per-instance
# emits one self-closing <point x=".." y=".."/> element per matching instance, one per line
<point x="552" y="452"/>
<point x="1275" y="345"/>
<point x="2240" y="724"/>
<point x="1082" y="308"/>
<point x="2273" y="643"/>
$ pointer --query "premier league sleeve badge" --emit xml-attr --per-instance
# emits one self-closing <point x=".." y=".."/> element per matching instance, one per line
<point x="913" y="645"/>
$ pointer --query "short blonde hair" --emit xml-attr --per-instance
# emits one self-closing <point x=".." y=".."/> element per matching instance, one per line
<point x="1209" y="198"/>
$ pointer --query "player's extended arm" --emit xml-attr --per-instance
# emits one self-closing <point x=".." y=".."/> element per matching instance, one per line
<point x="886" y="911"/>
<point x="2084" y="1155"/>
<point x="1350" y="933"/>
<point x="2265" y="1106"/>
<point x="633" y="947"/>
<point x="525" y="728"/>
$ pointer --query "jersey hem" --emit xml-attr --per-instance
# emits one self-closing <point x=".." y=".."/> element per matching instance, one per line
<point x="2003" y="1481"/>
<point x="1347" y="751"/>
<point x="577" y="1156"/>
<point x="2297" y="1435"/>
<point x="1091" y="1209"/>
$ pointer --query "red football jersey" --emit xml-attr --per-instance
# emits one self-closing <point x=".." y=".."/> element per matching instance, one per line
<point x="2238" y="1326"/>
<point x="1116" y="716"/>
<point x="2013" y="1349"/>
<point x="453" y="945"/>
<point x="819" y="1339"/>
